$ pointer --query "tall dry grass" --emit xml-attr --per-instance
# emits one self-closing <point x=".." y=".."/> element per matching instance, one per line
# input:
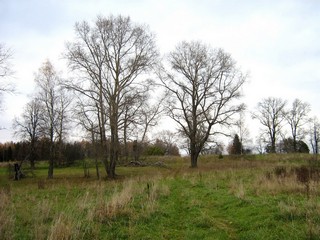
<point x="237" y="188"/>
<point x="117" y="203"/>
<point x="62" y="228"/>
<point x="154" y="190"/>
<point x="7" y="221"/>
<point x="42" y="216"/>
<point x="284" y="180"/>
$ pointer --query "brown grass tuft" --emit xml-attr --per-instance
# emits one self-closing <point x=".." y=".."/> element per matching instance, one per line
<point x="118" y="203"/>
<point x="61" y="229"/>
<point x="237" y="188"/>
<point x="154" y="190"/>
<point x="41" y="184"/>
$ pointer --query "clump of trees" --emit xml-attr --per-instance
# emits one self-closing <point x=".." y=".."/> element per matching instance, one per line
<point x="161" y="148"/>
<point x="110" y="57"/>
<point x="275" y="117"/>
<point x="288" y="145"/>
<point x="120" y="89"/>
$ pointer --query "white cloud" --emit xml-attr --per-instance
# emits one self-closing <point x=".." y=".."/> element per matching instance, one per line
<point x="276" y="41"/>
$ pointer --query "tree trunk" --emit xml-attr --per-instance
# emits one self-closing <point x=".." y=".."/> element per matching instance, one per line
<point x="50" y="170"/>
<point x="51" y="160"/>
<point x="103" y="139"/>
<point x="194" y="154"/>
<point x="114" y="150"/>
<point x="32" y="154"/>
<point x="126" y="150"/>
<point x="295" y="144"/>
<point x="194" y="160"/>
<point x="273" y="142"/>
<point x="95" y="153"/>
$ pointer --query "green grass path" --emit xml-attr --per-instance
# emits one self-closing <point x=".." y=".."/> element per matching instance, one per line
<point x="196" y="211"/>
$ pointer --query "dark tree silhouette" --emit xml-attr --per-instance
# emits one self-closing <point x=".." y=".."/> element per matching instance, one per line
<point x="236" y="146"/>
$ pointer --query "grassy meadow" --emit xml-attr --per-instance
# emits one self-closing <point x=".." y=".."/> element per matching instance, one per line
<point x="250" y="197"/>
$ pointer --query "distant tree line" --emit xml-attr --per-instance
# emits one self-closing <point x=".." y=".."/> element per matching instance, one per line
<point x="71" y="152"/>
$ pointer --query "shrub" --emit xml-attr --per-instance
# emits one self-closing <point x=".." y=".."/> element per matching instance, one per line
<point x="280" y="171"/>
<point x="303" y="174"/>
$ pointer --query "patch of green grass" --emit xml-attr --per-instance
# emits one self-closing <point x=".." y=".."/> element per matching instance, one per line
<point x="229" y="198"/>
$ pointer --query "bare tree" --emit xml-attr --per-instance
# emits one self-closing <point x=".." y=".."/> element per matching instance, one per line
<point x="260" y="143"/>
<point x="315" y="135"/>
<point x="49" y="95"/>
<point x="242" y="130"/>
<point x="5" y="70"/>
<point x="62" y="121"/>
<point x="297" y="117"/>
<point x="270" y="112"/>
<point x="148" y="117"/>
<point x="87" y="115"/>
<point x="110" y="55"/>
<point x="204" y="84"/>
<point x="5" y="66"/>
<point x="28" y="127"/>
<point x="130" y="109"/>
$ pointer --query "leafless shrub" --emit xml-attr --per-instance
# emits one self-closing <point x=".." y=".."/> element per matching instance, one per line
<point x="280" y="171"/>
<point x="303" y="174"/>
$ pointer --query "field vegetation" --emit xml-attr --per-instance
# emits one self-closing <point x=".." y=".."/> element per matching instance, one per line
<point x="274" y="196"/>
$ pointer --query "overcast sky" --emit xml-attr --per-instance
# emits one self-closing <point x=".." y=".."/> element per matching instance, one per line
<point x="276" y="41"/>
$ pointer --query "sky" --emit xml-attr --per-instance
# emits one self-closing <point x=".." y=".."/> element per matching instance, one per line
<point x="275" y="41"/>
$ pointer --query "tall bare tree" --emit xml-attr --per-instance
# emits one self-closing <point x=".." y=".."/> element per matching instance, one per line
<point x="204" y="84"/>
<point x="87" y="115"/>
<point x="62" y="121"/>
<point x="315" y="135"/>
<point x="271" y="112"/>
<point x="5" y="70"/>
<point x="28" y="127"/>
<point x="130" y="116"/>
<point x="297" y="117"/>
<point x="143" y="114"/>
<point x="49" y="95"/>
<point x="110" y="55"/>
